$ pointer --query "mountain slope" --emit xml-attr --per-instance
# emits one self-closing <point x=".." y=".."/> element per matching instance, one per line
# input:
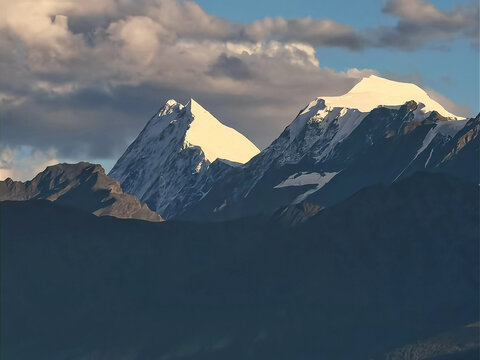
<point x="177" y="157"/>
<point x="388" y="267"/>
<point x="391" y="158"/>
<point x="462" y="154"/>
<point x="329" y="152"/>
<point x="457" y="344"/>
<point x="81" y="185"/>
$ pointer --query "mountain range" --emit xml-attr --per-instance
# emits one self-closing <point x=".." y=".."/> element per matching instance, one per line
<point x="377" y="133"/>
<point x="354" y="235"/>
<point x="185" y="164"/>
<point x="331" y="151"/>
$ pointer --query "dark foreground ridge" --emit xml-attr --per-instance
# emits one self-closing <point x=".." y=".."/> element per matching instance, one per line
<point x="388" y="268"/>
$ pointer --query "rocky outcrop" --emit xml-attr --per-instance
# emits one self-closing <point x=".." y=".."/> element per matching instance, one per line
<point x="82" y="185"/>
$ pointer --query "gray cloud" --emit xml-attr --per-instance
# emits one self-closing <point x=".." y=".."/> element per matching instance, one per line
<point x="420" y="22"/>
<point x="80" y="80"/>
<point x="230" y="66"/>
<point x="316" y="32"/>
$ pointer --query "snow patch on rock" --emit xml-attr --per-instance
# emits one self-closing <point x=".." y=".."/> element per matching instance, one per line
<point x="306" y="178"/>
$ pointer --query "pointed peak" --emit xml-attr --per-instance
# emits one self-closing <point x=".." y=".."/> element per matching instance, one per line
<point x="216" y="139"/>
<point x="171" y="102"/>
<point x="193" y="106"/>
<point x="200" y="114"/>
<point x="169" y="107"/>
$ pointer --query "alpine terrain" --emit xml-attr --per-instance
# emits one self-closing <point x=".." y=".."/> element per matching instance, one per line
<point x="353" y="236"/>
<point x="178" y="156"/>
<point x="377" y="133"/>
<point x="302" y="207"/>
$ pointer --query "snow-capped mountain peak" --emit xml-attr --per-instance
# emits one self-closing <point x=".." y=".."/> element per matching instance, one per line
<point x="374" y="91"/>
<point x="168" y="164"/>
<point x="170" y="106"/>
<point x="347" y="111"/>
<point x="216" y="139"/>
<point x="334" y="137"/>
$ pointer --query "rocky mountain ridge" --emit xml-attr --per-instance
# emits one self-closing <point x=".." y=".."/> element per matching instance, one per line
<point x="81" y="185"/>
<point x="178" y="156"/>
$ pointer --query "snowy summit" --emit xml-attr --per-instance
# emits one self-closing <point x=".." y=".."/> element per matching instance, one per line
<point x="169" y="163"/>
<point x="374" y="91"/>
<point x="216" y="139"/>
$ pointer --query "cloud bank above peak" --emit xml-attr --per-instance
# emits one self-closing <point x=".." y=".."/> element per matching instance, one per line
<point x="75" y="71"/>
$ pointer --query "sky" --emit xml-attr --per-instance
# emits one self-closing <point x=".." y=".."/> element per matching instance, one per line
<point x="79" y="80"/>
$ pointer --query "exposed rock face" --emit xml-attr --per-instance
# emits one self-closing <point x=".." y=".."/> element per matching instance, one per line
<point x="327" y="154"/>
<point x="461" y="156"/>
<point x="81" y="185"/>
<point x="379" y="132"/>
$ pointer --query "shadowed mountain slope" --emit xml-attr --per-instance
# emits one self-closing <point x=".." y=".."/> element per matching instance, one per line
<point x="328" y="154"/>
<point x="82" y="185"/>
<point x="390" y="266"/>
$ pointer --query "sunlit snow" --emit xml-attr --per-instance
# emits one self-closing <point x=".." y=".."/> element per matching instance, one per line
<point x="216" y="139"/>
<point x="306" y="178"/>
<point x="374" y="91"/>
<point x="167" y="164"/>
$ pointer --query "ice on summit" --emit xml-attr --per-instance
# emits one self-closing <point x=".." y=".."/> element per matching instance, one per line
<point x="350" y="109"/>
<point x="374" y="91"/>
<point x="168" y="164"/>
<point x="216" y="139"/>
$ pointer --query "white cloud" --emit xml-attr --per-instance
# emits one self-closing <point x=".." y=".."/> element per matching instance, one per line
<point x="85" y="76"/>
<point x="22" y="163"/>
